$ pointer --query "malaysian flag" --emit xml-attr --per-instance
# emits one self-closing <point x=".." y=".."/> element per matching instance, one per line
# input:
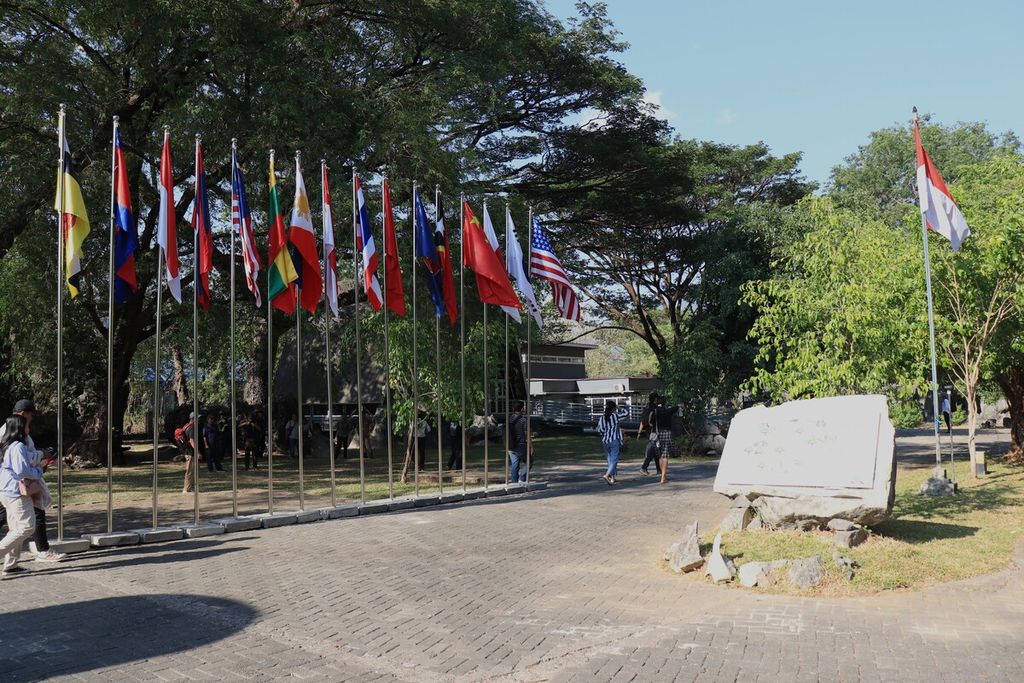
<point x="545" y="265"/>
<point x="241" y="221"/>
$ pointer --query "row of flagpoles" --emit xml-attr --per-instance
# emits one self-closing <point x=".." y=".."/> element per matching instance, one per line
<point x="296" y="279"/>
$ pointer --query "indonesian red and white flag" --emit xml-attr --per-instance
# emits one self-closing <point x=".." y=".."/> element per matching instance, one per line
<point x="937" y="206"/>
<point x="330" y="255"/>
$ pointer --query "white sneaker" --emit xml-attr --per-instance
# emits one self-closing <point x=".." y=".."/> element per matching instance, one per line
<point x="32" y="548"/>
<point x="50" y="556"/>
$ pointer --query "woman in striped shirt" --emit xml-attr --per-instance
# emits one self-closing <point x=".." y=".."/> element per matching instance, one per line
<point x="611" y="439"/>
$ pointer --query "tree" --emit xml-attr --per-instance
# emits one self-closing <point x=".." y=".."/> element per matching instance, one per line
<point x="981" y="286"/>
<point x="842" y="312"/>
<point x="448" y="91"/>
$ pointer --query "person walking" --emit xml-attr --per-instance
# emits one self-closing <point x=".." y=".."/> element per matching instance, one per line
<point x="291" y="430"/>
<point x="20" y="483"/>
<point x="947" y="413"/>
<point x="422" y="429"/>
<point x="250" y="441"/>
<point x="188" y="442"/>
<point x="40" y="543"/>
<point x="211" y="443"/>
<point x="649" y="426"/>
<point x="517" y="443"/>
<point x="663" y="428"/>
<point x="611" y="439"/>
<point x="454" y="444"/>
<point x="343" y="434"/>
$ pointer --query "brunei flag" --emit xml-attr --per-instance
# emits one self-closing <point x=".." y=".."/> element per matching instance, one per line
<point x="281" y="275"/>
<point x="74" y="220"/>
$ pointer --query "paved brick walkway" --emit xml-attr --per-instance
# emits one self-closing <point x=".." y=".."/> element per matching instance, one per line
<point x="561" y="586"/>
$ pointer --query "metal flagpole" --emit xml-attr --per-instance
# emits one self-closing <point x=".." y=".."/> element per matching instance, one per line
<point x="110" y="340"/>
<point x="415" y="361"/>
<point x="387" y="352"/>
<point x="196" y="429"/>
<point x="508" y="418"/>
<point x="931" y="334"/>
<point x="327" y="325"/>
<point x="298" y="366"/>
<point x="529" y="341"/>
<point x="487" y="412"/>
<point x="952" y="462"/>
<point x="60" y="328"/>
<point x="359" y="351"/>
<point x="156" y="372"/>
<point x="270" y="372"/>
<point x="231" y="355"/>
<point x="462" y="334"/>
<point x="437" y="359"/>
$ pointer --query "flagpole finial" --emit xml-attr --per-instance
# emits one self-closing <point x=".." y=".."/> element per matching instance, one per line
<point x="234" y="143"/>
<point x="915" y="111"/>
<point x="167" y="128"/>
<point x="271" y="152"/>
<point x="323" y="162"/>
<point x="116" y="119"/>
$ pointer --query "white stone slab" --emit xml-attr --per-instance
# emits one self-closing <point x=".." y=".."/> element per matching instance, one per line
<point x="159" y="534"/>
<point x="339" y="512"/>
<point x="233" y="524"/>
<point x="839" y="450"/>
<point x="403" y="503"/>
<point x="427" y="499"/>
<point x="70" y="545"/>
<point x="202" y="529"/>
<point x="307" y="516"/>
<point x="373" y="507"/>
<point x="113" y="538"/>
<point x="452" y="497"/>
<point x="270" y="521"/>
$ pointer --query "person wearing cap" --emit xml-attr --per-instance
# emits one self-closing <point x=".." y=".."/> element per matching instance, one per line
<point x="39" y="545"/>
<point x="190" y="450"/>
<point x="648" y="424"/>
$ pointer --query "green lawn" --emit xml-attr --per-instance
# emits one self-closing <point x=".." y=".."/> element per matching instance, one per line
<point x="926" y="541"/>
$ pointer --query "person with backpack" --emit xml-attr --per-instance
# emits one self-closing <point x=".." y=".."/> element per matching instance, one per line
<point x="186" y="439"/>
<point x="611" y="438"/>
<point x="517" y="444"/>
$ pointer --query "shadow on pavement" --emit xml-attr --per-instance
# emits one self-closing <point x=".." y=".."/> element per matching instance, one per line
<point x="915" y="531"/>
<point x="72" y="638"/>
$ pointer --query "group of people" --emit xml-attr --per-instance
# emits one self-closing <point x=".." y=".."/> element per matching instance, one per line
<point x="212" y="441"/>
<point x="23" y="491"/>
<point x="655" y="425"/>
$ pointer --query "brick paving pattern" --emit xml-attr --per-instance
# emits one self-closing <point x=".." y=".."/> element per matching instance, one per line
<point x="565" y="585"/>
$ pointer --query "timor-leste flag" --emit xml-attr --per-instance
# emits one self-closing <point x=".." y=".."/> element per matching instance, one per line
<point x="281" y="274"/>
<point x="74" y="220"/>
<point x="492" y="282"/>
<point x="444" y="252"/>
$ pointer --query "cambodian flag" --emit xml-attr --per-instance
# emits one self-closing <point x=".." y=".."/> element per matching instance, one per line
<point x="204" y="234"/>
<point x="126" y="236"/>
<point x="365" y="244"/>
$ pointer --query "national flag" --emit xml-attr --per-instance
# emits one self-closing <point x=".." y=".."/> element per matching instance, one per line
<point x="126" y="232"/>
<point x="516" y="268"/>
<point x="167" y="236"/>
<point x="492" y="239"/>
<point x="426" y="250"/>
<point x="330" y="255"/>
<point x="303" y="240"/>
<point x="937" y="206"/>
<point x="394" y="297"/>
<point x="447" y="277"/>
<point x="203" y="259"/>
<point x="491" y="280"/>
<point x="74" y="220"/>
<point x="281" y="274"/>
<point x="368" y="249"/>
<point x="241" y="221"/>
<point x="545" y="265"/>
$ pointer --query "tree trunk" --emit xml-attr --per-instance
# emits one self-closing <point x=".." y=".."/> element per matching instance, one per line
<point x="410" y="452"/>
<point x="254" y="391"/>
<point x="179" y="383"/>
<point x="1011" y="381"/>
<point x="972" y="415"/>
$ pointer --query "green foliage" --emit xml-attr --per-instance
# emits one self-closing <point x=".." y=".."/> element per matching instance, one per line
<point x="905" y="413"/>
<point x="844" y="312"/>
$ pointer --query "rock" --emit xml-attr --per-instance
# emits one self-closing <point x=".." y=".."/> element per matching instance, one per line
<point x="846" y="565"/>
<point x="851" y="538"/>
<point x="737" y="518"/>
<point x="753" y="573"/>
<point x="755" y="524"/>
<point x="718" y="568"/>
<point x="684" y="556"/>
<point x="841" y="525"/>
<point x="813" y="459"/>
<point x="740" y="502"/>
<point x="936" y="487"/>
<point x="671" y="551"/>
<point x="808" y="524"/>
<point x="808" y="572"/>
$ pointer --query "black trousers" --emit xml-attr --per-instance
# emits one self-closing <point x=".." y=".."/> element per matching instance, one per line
<point x="652" y="454"/>
<point x="455" y="459"/>
<point x="39" y="536"/>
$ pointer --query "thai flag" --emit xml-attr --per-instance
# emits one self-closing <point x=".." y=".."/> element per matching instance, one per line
<point x="364" y="242"/>
<point x="241" y="221"/>
<point x="204" y="234"/>
<point x="126" y="237"/>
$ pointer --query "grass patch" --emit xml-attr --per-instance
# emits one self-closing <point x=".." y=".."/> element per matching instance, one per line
<point x="926" y="541"/>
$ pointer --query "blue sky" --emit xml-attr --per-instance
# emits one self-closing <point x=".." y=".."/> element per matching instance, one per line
<point x="818" y="76"/>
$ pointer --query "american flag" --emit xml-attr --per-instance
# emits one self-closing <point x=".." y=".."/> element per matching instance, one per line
<point x="241" y="219"/>
<point x="545" y="265"/>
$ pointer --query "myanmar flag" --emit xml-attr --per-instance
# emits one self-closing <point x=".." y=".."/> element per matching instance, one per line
<point x="73" y="218"/>
<point x="282" y="271"/>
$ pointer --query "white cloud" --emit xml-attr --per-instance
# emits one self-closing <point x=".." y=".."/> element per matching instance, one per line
<point x="726" y="117"/>
<point x="654" y="98"/>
